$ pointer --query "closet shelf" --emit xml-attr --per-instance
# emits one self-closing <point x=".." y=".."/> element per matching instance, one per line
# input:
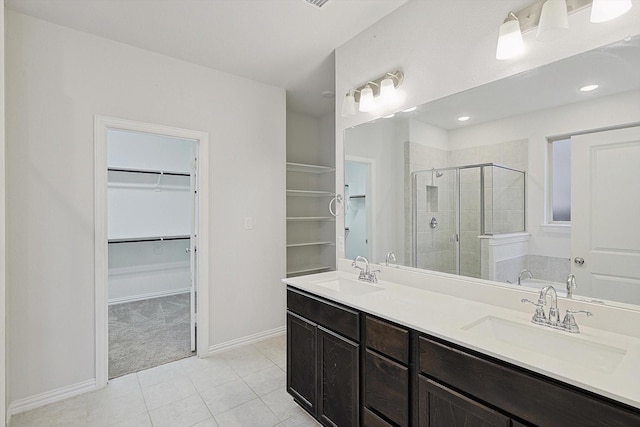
<point x="301" y="167"/>
<point x="309" y="193"/>
<point x="148" y="171"/>
<point x="297" y="245"/>
<point x="149" y="239"/>
<point x="310" y="218"/>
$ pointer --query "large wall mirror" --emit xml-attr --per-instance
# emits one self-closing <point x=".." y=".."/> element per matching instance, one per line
<point x="541" y="181"/>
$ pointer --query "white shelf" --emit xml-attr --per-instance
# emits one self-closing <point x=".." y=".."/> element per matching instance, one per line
<point x="297" y="245"/>
<point x="309" y="193"/>
<point x="309" y="269"/>
<point x="301" y="167"/>
<point x="310" y="218"/>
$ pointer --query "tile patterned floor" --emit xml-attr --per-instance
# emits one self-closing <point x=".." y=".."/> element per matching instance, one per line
<point x="242" y="387"/>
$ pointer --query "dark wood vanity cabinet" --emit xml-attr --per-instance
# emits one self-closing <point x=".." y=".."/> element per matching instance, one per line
<point x="323" y="358"/>
<point x="386" y="377"/>
<point x="397" y="377"/>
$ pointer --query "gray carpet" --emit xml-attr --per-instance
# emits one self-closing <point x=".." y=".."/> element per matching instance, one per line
<point x="144" y="334"/>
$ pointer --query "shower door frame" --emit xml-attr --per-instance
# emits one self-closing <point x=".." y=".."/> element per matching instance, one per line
<point x="414" y="188"/>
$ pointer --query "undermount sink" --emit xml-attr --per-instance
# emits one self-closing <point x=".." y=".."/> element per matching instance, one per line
<point x="554" y="344"/>
<point x="348" y="287"/>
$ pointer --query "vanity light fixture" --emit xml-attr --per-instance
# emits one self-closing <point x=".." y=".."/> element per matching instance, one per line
<point x="374" y="94"/>
<point x="554" y="20"/>
<point x="606" y="10"/>
<point x="550" y="17"/>
<point x="588" y="88"/>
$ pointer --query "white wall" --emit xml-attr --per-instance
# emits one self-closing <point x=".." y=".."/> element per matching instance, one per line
<point x="58" y="79"/>
<point x="442" y="52"/>
<point x="3" y="204"/>
<point x="536" y="127"/>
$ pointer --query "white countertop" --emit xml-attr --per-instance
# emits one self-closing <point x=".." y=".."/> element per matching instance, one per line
<point x="445" y="316"/>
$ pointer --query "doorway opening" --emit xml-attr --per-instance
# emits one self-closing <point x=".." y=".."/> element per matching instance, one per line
<point x="357" y="219"/>
<point x="150" y="211"/>
<point x="151" y="230"/>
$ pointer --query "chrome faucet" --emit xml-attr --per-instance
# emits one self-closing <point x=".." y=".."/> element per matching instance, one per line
<point x="553" y="320"/>
<point x="571" y="285"/>
<point x="522" y="273"/>
<point x="553" y="317"/>
<point x="365" y="273"/>
<point x="391" y="256"/>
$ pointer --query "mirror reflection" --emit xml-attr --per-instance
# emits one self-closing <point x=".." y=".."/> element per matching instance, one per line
<point x="506" y="181"/>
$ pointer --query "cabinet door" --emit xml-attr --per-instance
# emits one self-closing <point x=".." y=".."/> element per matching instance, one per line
<point x="442" y="407"/>
<point x="338" y="376"/>
<point x="301" y="361"/>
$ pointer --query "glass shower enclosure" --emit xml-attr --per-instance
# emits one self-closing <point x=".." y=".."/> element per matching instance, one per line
<point x="454" y="207"/>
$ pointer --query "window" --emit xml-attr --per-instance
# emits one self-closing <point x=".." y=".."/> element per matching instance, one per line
<point x="560" y="181"/>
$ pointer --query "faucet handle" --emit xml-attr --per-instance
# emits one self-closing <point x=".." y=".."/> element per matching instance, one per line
<point x="538" y="316"/>
<point x="569" y="322"/>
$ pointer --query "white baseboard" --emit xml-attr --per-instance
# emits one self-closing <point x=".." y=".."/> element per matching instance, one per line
<point x="151" y="295"/>
<point x="249" y="339"/>
<point x="42" y="399"/>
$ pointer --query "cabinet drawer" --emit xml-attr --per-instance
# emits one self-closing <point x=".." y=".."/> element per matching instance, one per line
<point x="388" y="339"/>
<point x="369" y="419"/>
<point x="328" y="314"/>
<point x="386" y="387"/>
<point x="519" y="392"/>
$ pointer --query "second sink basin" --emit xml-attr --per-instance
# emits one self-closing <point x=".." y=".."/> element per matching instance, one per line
<point x="348" y="287"/>
<point x="555" y="344"/>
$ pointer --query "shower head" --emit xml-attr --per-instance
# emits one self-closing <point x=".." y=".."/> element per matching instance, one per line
<point x="438" y="173"/>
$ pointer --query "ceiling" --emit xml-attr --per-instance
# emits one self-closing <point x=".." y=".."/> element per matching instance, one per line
<point x="284" y="43"/>
<point x="615" y="68"/>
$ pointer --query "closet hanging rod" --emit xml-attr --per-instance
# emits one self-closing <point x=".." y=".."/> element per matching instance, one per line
<point x="154" y="172"/>
<point x="149" y="239"/>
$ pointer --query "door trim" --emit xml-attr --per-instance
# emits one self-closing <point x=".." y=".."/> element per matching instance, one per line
<point x="101" y="124"/>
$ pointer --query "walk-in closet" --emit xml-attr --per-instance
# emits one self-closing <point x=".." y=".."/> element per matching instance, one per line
<point x="151" y="229"/>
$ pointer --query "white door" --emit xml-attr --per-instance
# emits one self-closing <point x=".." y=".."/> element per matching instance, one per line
<point x="193" y="248"/>
<point x="605" y="214"/>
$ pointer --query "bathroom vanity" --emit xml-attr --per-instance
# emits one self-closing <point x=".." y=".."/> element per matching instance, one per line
<point x="389" y="354"/>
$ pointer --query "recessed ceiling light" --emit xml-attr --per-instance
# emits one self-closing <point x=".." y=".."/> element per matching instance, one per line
<point x="588" y="88"/>
<point x="463" y="118"/>
<point x="389" y="116"/>
<point x="408" y="110"/>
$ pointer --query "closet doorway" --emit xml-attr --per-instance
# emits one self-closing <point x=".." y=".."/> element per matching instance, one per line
<point x="152" y="298"/>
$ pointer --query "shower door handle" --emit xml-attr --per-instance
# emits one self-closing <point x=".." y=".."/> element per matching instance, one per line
<point x="578" y="260"/>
